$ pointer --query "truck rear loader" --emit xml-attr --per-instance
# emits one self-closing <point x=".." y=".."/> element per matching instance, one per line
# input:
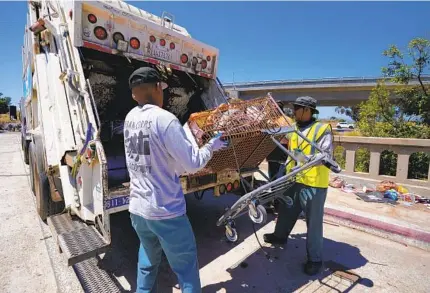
<point x="77" y="57"/>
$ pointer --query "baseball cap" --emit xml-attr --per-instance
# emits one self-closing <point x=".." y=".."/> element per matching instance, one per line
<point x="144" y="75"/>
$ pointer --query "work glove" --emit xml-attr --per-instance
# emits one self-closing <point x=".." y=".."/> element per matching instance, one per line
<point x="217" y="143"/>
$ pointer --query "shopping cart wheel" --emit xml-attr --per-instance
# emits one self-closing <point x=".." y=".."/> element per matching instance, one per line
<point x="231" y="233"/>
<point x="257" y="213"/>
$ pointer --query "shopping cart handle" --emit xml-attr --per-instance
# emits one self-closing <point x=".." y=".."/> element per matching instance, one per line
<point x="332" y="165"/>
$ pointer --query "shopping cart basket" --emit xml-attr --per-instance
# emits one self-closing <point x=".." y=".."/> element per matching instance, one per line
<point x="243" y="124"/>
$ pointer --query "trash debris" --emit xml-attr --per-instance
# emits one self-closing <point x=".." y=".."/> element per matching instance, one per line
<point x="244" y="125"/>
<point x="407" y="197"/>
<point x="384" y="192"/>
<point x="401" y="189"/>
<point x="374" y="196"/>
<point x="368" y="187"/>
<point x="349" y="188"/>
<point x="421" y="199"/>
<point x="386" y="185"/>
<point x="391" y="194"/>
<point x="337" y="182"/>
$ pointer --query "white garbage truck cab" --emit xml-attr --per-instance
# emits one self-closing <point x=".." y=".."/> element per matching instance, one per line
<point x="77" y="57"/>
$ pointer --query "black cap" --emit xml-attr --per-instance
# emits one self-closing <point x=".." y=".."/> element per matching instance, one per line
<point x="307" y="102"/>
<point x="144" y="75"/>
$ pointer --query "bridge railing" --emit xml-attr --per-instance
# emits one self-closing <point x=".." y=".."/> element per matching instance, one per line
<point x="403" y="149"/>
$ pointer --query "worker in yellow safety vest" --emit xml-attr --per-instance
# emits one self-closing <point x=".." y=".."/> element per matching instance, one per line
<point x="310" y="189"/>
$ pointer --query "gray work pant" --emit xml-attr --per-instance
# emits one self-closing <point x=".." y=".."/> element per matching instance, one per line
<point x="310" y="200"/>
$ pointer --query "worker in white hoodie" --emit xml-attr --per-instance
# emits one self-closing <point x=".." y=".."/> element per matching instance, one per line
<point x="156" y="147"/>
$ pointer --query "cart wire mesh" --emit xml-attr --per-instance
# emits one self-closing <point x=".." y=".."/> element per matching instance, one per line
<point x="242" y="124"/>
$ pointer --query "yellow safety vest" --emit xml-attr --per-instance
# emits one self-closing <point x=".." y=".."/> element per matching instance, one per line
<point x="318" y="176"/>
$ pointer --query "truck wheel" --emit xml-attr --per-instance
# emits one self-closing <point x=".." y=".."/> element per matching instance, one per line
<point x="44" y="205"/>
<point x="31" y="164"/>
<point x="26" y="156"/>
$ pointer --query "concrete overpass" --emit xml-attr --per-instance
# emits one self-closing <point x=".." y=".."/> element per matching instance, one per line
<point x="346" y="91"/>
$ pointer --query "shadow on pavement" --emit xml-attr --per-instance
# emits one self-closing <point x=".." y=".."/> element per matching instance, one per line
<point x="121" y="259"/>
<point x="284" y="273"/>
<point x="255" y="274"/>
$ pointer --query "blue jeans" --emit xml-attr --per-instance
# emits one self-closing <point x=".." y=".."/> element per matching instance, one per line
<point x="176" y="238"/>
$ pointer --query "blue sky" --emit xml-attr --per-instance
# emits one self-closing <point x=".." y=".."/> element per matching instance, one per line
<point x="266" y="40"/>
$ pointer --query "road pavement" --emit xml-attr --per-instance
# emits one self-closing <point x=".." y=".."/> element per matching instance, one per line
<point x="29" y="259"/>
<point x="373" y="264"/>
<point x="355" y="261"/>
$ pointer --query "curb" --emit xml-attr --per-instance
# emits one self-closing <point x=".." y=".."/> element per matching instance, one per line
<point x="403" y="235"/>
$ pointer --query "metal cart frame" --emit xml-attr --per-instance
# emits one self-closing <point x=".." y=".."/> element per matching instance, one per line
<point x="253" y="201"/>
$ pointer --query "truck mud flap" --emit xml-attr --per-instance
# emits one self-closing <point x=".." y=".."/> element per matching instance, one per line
<point x="77" y="240"/>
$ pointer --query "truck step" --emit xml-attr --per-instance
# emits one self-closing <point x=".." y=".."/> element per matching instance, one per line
<point x="95" y="279"/>
<point x="77" y="240"/>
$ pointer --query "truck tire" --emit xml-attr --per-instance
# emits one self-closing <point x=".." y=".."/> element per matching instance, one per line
<point x="31" y="163"/>
<point x="26" y="156"/>
<point x="24" y="147"/>
<point x="44" y="205"/>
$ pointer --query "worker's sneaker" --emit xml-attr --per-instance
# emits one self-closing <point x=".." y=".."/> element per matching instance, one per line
<point x="313" y="268"/>
<point x="273" y="239"/>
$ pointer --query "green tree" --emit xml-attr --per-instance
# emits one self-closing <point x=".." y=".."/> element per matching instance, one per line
<point x="4" y="104"/>
<point x="413" y="101"/>
<point x="408" y="115"/>
<point x="351" y="112"/>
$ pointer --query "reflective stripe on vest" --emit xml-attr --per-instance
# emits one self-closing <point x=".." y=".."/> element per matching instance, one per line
<point x="318" y="176"/>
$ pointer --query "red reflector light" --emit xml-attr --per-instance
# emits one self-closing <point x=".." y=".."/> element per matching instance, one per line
<point x="236" y="184"/>
<point x="163" y="42"/>
<point x="92" y="18"/>
<point x="117" y="36"/>
<point x="204" y="64"/>
<point x="184" y="58"/>
<point x="174" y="66"/>
<point x="135" y="43"/>
<point x="229" y="187"/>
<point x="208" y="58"/>
<point x="71" y="14"/>
<point x="152" y="61"/>
<point x="100" y="33"/>
<point x="172" y="46"/>
<point x="152" y="39"/>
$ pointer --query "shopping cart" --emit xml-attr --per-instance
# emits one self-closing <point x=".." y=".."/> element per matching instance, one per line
<point x="253" y="129"/>
<point x="254" y="201"/>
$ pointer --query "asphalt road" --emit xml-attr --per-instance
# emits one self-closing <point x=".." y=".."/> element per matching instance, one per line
<point x="355" y="261"/>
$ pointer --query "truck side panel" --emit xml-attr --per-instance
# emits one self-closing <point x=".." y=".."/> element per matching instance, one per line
<point x="44" y="100"/>
<point x="59" y="108"/>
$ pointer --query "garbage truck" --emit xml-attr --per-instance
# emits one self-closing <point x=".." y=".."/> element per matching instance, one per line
<point x="77" y="57"/>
